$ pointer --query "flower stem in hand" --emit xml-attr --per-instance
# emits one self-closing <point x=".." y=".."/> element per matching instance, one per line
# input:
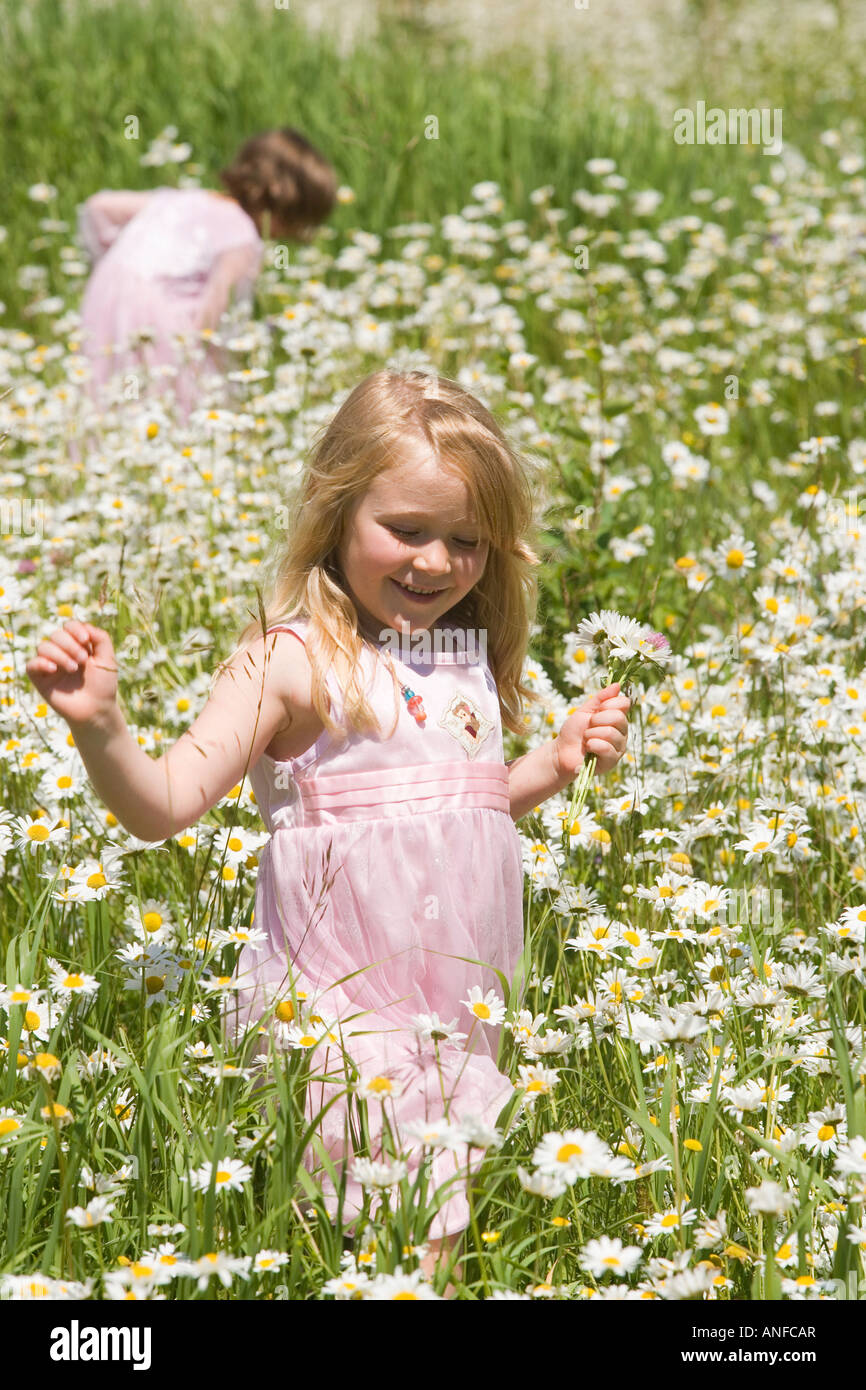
<point x="581" y="787"/>
<point x="587" y="771"/>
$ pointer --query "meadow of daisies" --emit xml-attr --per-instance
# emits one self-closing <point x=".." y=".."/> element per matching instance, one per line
<point x="684" y="375"/>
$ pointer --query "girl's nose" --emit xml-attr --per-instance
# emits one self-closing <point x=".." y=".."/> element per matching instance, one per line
<point x="433" y="559"/>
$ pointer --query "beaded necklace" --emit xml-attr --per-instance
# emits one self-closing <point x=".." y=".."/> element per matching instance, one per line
<point x="414" y="703"/>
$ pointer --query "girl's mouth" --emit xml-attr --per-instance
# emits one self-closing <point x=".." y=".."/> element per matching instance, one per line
<point x="426" y="598"/>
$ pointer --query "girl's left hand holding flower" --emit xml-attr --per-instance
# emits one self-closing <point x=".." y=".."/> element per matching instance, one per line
<point x="599" y="729"/>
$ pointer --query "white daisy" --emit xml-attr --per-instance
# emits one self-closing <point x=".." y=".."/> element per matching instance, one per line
<point x="601" y="628"/>
<point x="380" y="1176"/>
<point x="379" y="1088"/>
<point x="712" y="418"/>
<point x="549" y="1185"/>
<point x="734" y="554"/>
<point x="72" y="983"/>
<point x="770" y="1199"/>
<point x="400" y="1287"/>
<point x="666" y="1222"/>
<point x="489" y="1007"/>
<point x="608" y="1255"/>
<point x="536" y="1081"/>
<point x="220" y="1264"/>
<point x="98" y="1209"/>
<point x="430" y="1028"/>
<point x="227" y="1173"/>
<point x="574" y="1154"/>
<point x="267" y="1260"/>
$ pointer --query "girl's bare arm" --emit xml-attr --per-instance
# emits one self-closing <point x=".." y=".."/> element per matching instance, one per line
<point x="102" y="215"/>
<point x="264" y="691"/>
<point x="533" y="777"/>
<point x="235" y="267"/>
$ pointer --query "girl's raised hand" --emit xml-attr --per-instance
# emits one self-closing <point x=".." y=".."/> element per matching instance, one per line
<point x="599" y="729"/>
<point x="75" y="670"/>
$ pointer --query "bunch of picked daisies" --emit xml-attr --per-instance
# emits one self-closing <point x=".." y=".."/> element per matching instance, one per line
<point x="627" y="649"/>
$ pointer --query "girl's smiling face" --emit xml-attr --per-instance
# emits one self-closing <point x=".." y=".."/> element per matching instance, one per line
<point x="414" y="526"/>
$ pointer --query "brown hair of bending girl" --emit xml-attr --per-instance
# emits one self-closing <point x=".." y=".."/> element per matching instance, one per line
<point x="283" y="182"/>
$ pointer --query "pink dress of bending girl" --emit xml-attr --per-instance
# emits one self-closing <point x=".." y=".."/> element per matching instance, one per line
<point x="164" y="261"/>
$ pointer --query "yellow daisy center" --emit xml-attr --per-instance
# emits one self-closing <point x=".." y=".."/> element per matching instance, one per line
<point x="567" y="1151"/>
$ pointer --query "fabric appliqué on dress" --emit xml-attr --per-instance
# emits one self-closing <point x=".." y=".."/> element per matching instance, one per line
<point x="466" y="722"/>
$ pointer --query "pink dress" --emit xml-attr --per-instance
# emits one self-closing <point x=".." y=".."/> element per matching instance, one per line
<point x="426" y="880"/>
<point x="154" y="255"/>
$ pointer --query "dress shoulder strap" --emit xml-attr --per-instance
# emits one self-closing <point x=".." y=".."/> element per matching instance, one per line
<point x="292" y="627"/>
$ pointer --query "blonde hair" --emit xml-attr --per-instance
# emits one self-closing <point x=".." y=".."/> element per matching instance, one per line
<point x="369" y="434"/>
<point x="280" y="172"/>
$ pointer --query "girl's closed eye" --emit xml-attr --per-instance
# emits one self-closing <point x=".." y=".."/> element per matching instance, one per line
<point x="408" y="534"/>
